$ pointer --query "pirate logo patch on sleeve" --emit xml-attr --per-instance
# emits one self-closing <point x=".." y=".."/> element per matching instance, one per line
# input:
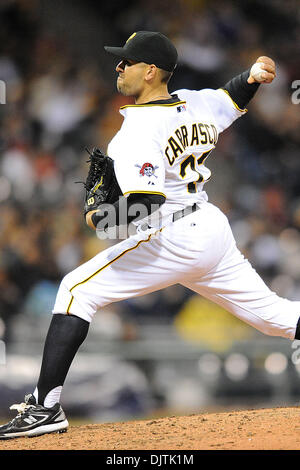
<point x="147" y="169"/>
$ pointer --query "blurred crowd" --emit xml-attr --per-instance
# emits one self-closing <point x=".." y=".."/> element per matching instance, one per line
<point x="61" y="98"/>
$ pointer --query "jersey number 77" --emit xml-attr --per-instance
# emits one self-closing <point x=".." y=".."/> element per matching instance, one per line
<point x="192" y="161"/>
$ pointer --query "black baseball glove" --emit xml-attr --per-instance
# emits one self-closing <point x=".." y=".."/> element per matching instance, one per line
<point x="101" y="185"/>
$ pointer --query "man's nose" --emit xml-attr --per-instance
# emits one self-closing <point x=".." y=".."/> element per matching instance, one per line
<point x="119" y="67"/>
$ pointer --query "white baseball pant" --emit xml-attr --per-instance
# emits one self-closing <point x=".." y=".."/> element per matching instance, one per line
<point x="197" y="251"/>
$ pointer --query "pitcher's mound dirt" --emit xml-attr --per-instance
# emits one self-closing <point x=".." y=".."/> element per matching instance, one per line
<point x="263" y="429"/>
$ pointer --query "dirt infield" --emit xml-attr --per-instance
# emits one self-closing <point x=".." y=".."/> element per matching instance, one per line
<point x="263" y="429"/>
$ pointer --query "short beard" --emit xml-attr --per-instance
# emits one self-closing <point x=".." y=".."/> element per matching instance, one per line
<point x="120" y="88"/>
<point x="124" y="90"/>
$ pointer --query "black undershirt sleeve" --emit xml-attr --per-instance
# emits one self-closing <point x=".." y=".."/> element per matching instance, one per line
<point x="240" y="91"/>
<point x="126" y="210"/>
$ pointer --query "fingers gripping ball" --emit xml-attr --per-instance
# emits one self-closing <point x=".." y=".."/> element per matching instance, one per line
<point x="257" y="72"/>
<point x="263" y="71"/>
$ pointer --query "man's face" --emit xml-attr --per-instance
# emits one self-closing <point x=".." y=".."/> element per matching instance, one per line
<point x="130" y="81"/>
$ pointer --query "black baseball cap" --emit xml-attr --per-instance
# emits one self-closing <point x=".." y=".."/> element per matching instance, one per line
<point x="150" y="47"/>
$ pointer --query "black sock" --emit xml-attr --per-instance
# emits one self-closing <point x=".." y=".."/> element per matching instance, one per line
<point x="66" y="333"/>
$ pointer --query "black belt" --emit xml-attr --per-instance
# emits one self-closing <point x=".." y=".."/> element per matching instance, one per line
<point x="186" y="211"/>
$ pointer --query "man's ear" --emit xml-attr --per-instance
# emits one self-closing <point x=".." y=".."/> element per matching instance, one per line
<point x="151" y="72"/>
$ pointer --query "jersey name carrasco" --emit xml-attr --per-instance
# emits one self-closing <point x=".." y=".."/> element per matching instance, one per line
<point x="163" y="147"/>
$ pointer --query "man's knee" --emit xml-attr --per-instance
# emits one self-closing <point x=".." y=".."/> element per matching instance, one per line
<point x="72" y="299"/>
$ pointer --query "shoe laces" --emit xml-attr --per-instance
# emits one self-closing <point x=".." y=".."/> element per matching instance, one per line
<point x="22" y="407"/>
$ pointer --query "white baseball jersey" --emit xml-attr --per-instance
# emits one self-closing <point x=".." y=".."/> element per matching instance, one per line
<point x="162" y="148"/>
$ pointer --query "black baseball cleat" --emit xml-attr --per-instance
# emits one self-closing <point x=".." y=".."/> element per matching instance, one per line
<point x="34" y="420"/>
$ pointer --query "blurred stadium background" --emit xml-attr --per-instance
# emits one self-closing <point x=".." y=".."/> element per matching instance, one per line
<point x="168" y="352"/>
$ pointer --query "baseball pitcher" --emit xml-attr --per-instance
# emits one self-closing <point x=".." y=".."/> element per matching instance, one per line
<point x="157" y="162"/>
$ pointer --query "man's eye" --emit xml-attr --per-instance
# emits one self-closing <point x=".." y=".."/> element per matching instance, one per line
<point x="125" y="63"/>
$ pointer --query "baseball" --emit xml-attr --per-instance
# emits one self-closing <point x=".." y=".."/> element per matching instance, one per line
<point x="257" y="71"/>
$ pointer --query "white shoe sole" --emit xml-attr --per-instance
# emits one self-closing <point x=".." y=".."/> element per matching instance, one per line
<point x="47" y="429"/>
